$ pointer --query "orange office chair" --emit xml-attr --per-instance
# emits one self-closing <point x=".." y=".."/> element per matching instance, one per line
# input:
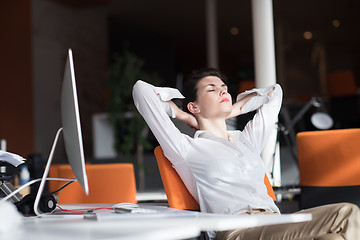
<point x="108" y="183"/>
<point x="177" y="194"/>
<point x="329" y="167"/>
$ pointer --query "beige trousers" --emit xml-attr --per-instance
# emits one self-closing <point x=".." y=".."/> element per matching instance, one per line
<point x="329" y="222"/>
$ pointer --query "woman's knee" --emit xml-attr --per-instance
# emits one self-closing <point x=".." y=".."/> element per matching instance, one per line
<point x="349" y="208"/>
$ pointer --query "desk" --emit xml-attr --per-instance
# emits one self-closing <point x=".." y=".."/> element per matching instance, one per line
<point x="166" y="224"/>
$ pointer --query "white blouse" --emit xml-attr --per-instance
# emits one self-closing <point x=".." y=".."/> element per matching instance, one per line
<point x="224" y="176"/>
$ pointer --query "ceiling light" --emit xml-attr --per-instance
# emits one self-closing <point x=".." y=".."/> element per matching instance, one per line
<point x="336" y="23"/>
<point x="234" y="31"/>
<point x="307" y="35"/>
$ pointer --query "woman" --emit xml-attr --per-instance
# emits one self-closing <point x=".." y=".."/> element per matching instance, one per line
<point x="222" y="169"/>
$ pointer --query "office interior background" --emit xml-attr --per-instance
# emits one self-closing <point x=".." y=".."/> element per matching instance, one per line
<point x="312" y="38"/>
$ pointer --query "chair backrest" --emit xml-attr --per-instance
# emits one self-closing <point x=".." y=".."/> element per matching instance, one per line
<point x="177" y="194"/>
<point x="270" y="190"/>
<point x="329" y="166"/>
<point x="108" y="183"/>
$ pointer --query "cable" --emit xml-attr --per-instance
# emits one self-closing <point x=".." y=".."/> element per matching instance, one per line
<point x="65" y="185"/>
<point x="81" y="210"/>
<point x="59" y="190"/>
<point x="32" y="182"/>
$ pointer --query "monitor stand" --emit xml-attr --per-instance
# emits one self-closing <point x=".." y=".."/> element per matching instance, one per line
<point x="37" y="210"/>
<point x="48" y="203"/>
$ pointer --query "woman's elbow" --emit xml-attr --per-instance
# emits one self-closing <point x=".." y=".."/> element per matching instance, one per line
<point x="138" y="88"/>
<point x="138" y="85"/>
<point x="277" y="90"/>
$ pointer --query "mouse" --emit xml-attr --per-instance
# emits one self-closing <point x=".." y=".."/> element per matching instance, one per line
<point x="124" y="207"/>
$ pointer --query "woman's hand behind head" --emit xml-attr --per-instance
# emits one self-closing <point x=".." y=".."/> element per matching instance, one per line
<point x="191" y="121"/>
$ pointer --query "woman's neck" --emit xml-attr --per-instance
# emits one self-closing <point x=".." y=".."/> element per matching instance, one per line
<point x="215" y="126"/>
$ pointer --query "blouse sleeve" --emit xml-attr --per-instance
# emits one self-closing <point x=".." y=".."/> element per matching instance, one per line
<point x="255" y="102"/>
<point x="260" y="127"/>
<point x="152" y="104"/>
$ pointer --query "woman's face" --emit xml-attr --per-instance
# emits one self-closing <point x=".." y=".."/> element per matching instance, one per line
<point x="213" y="99"/>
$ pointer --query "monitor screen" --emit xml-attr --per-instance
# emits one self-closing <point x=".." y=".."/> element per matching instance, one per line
<point x="70" y="119"/>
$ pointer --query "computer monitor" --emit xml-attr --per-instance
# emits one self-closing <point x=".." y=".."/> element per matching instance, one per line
<point x="70" y="120"/>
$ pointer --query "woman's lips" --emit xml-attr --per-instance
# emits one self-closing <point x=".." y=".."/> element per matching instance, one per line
<point x="225" y="100"/>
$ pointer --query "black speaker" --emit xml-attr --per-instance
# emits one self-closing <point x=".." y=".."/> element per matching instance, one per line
<point x="26" y="205"/>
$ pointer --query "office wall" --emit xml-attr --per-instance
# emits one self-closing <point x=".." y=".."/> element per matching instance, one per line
<point x="57" y="26"/>
<point x="16" y="109"/>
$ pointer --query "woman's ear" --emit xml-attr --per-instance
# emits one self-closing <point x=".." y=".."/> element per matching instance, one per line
<point x="192" y="108"/>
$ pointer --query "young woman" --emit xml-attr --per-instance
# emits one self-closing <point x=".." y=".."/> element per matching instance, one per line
<point x="222" y="169"/>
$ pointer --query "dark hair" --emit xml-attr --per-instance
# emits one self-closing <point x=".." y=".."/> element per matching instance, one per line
<point x="191" y="84"/>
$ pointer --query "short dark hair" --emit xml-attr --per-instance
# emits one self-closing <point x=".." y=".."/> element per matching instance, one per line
<point x="191" y="84"/>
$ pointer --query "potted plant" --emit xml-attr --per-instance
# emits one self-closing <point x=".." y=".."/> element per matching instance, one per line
<point x="130" y="129"/>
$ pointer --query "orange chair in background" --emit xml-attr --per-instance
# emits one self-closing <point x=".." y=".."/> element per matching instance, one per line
<point x="329" y="167"/>
<point x="177" y="194"/>
<point x="108" y="183"/>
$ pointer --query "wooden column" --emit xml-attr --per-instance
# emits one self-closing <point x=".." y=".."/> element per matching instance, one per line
<point x="16" y="109"/>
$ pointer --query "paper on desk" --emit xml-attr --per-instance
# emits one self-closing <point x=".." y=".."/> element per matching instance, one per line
<point x="10" y="219"/>
<point x="11" y="158"/>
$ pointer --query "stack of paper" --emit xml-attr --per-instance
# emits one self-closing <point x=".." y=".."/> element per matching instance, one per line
<point x="11" y="158"/>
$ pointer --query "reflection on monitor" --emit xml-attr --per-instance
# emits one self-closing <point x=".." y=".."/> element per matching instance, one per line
<point x="70" y="120"/>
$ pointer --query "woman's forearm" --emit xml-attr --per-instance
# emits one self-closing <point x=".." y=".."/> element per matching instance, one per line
<point x="236" y="108"/>
<point x="179" y="114"/>
<point x="188" y="118"/>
